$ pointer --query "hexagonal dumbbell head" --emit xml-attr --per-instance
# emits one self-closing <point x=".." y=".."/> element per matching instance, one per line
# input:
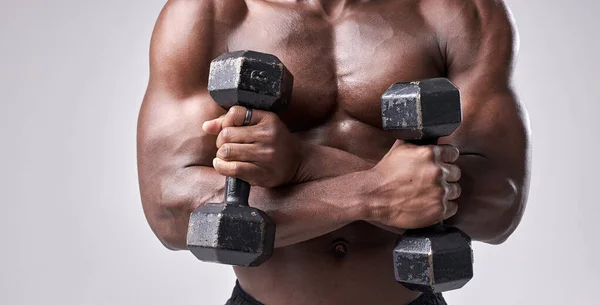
<point x="250" y="79"/>
<point x="432" y="262"/>
<point x="230" y="234"/>
<point x="422" y="109"/>
<point x="434" y="259"/>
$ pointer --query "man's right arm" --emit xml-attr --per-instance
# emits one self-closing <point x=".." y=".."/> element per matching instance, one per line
<point x="175" y="155"/>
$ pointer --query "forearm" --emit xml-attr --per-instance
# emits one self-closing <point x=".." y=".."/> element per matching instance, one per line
<point x="325" y="200"/>
<point x="301" y="211"/>
<point x="312" y="209"/>
<point x="492" y="200"/>
<point x="321" y="162"/>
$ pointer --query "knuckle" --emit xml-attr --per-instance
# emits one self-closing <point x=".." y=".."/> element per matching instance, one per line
<point x="224" y="152"/>
<point x="236" y="111"/>
<point x="436" y="172"/>
<point x="428" y="152"/>
<point x="233" y="115"/>
<point x="275" y="131"/>
<point x="437" y="212"/>
<point x="269" y="152"/>
<point x="225" y="134"/>
<point x="270" y="117"/>
<point x="267" y="134"/>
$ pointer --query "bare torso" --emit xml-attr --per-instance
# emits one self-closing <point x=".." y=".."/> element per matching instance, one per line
<point x="342" y="62"/>
<point x="344" y="54"/>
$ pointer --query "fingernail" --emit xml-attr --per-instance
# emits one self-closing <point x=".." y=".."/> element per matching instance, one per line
<point x="215" y="162"/>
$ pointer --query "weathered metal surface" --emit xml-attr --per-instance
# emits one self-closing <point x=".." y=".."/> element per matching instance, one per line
<point x="423" y="109"/>
<point x="434" y="259"/>
<point x="250" y="79"/>
<point x="232" y="232"/>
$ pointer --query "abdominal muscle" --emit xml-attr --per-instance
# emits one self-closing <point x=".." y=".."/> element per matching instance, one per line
<point x="352" y="265"/>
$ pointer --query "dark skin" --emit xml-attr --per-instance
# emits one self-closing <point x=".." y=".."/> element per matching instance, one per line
<point x="339" y="188"/>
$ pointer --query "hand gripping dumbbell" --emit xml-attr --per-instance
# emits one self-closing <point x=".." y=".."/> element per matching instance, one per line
<point x="232" y="232"/>
<point x="437" y="258"/>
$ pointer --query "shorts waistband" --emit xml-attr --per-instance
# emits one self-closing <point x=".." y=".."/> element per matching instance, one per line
<point x="241" y="297"/>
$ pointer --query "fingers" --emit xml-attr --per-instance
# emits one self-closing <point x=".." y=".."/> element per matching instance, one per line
<point x="242" y="135"/>
<point x="451" y="209"/>
<point x="213" y="126"/>
<point x="453" y="191"/>
<point x="451" y="172"/>
<point x="236" y="116"/>
<point x="241" y="152"/>
<point x="228" y="127"/>
<point x="241" y="170"/>
<point x="446" y="153"/>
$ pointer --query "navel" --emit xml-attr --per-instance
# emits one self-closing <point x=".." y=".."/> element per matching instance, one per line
<point x="339" y="248"/>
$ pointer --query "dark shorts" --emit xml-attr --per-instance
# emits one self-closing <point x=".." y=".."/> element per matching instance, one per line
<point x="240" y="297"/>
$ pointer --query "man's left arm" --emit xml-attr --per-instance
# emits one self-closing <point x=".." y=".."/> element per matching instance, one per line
<point x="481" y="45"/>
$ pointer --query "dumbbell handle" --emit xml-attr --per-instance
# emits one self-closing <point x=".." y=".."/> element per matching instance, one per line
<point x="237" y="191"/>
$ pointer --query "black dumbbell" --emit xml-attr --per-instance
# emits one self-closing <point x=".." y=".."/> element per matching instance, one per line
<point x="232" y="232"/>
<point x="438" y="258"/>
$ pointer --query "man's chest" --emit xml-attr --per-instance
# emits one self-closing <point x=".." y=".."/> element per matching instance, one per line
<point x="341" y="67"/>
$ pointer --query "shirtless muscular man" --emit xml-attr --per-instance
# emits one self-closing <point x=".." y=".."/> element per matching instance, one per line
<point x="339" y="188"/>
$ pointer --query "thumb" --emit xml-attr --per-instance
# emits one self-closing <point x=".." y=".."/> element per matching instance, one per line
<point x="213" y="127"/>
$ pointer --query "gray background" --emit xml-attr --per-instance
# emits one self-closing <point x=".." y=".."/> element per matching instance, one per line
<point x="72" y="76"/>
